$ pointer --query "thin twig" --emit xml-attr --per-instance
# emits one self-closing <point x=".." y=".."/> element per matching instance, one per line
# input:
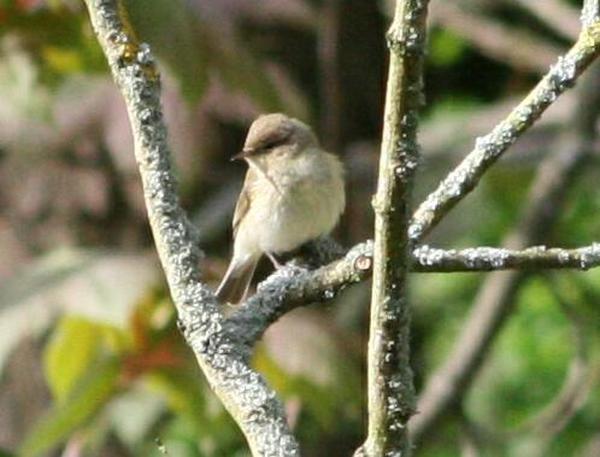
<point x="489" y="148"/>
<point x="471" y="439"/>
<point x="578" y="383"/>
<point x="542" y="429"/>
<point x="427" y="259"/>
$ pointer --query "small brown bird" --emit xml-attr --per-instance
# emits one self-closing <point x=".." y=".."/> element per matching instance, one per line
<point x="293" y="193"/>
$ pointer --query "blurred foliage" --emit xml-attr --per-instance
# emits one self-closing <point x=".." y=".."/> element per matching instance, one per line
<point x="79" y="280"/>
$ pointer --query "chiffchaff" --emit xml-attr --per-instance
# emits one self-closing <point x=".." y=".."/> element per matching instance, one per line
<point x="293" y="193"/>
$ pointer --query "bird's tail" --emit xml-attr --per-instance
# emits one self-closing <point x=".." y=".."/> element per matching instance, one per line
<point x="234" y="285"/>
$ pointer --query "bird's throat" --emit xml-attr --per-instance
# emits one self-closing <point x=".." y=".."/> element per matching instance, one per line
<point x="264" y="173"/>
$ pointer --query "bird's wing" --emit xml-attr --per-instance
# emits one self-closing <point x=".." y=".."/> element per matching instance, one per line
<point x="244" y="200"/>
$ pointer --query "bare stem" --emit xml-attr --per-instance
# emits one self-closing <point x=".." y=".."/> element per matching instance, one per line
<point x="251" y="402"/>
<point x="391" y="391"/>
<point x="512" y="45"/>
<point x="328" y="52"/>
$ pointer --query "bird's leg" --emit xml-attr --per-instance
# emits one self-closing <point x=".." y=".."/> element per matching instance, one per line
<point x="274" y="261"/>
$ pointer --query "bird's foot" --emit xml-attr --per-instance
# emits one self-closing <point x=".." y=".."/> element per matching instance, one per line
<point x="274" y="261"/>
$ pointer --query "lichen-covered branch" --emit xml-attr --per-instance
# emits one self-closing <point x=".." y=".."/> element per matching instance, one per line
<point x="489" y="148"/>
<point x="244" y="392"/>
<point x="428" y="259"/>
<point x="291" y="287"/>
<point x="391" y="397"/>
<point x="590" y="13"/>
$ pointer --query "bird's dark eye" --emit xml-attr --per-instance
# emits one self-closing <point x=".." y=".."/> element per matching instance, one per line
<point x="271" y="145"/>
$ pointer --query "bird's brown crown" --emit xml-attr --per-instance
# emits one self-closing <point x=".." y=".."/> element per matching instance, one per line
<point x="270" y="131"/>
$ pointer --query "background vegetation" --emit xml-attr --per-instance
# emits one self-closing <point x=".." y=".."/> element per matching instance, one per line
<point x="91" y="362"/>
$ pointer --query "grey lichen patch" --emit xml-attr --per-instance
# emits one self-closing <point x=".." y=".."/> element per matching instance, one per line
<point x="562" y="75"/>
<point x="590" y="13"/>
<point x="426" y="258"/>
<point x="406" y="37"/>
<point x="293" y="286"/>
<point x="589" y="257"/>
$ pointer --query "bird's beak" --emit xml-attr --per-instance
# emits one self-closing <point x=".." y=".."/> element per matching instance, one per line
<point x="243" y="154"/>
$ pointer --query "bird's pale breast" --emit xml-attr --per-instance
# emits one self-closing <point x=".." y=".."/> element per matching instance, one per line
<point x="305" y="203"/>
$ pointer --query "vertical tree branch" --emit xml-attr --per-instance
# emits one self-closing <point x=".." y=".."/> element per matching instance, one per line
<point x="391" y="392"/>
<point x="224" y="360"/>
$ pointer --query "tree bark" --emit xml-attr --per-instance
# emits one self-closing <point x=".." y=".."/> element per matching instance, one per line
<point x="390" y="380"/>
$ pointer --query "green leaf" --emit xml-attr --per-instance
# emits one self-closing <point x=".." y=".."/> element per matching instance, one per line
<point x="91" y="394"/>
<point x="445" y="48"/>
<point x="70" y="353"/>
